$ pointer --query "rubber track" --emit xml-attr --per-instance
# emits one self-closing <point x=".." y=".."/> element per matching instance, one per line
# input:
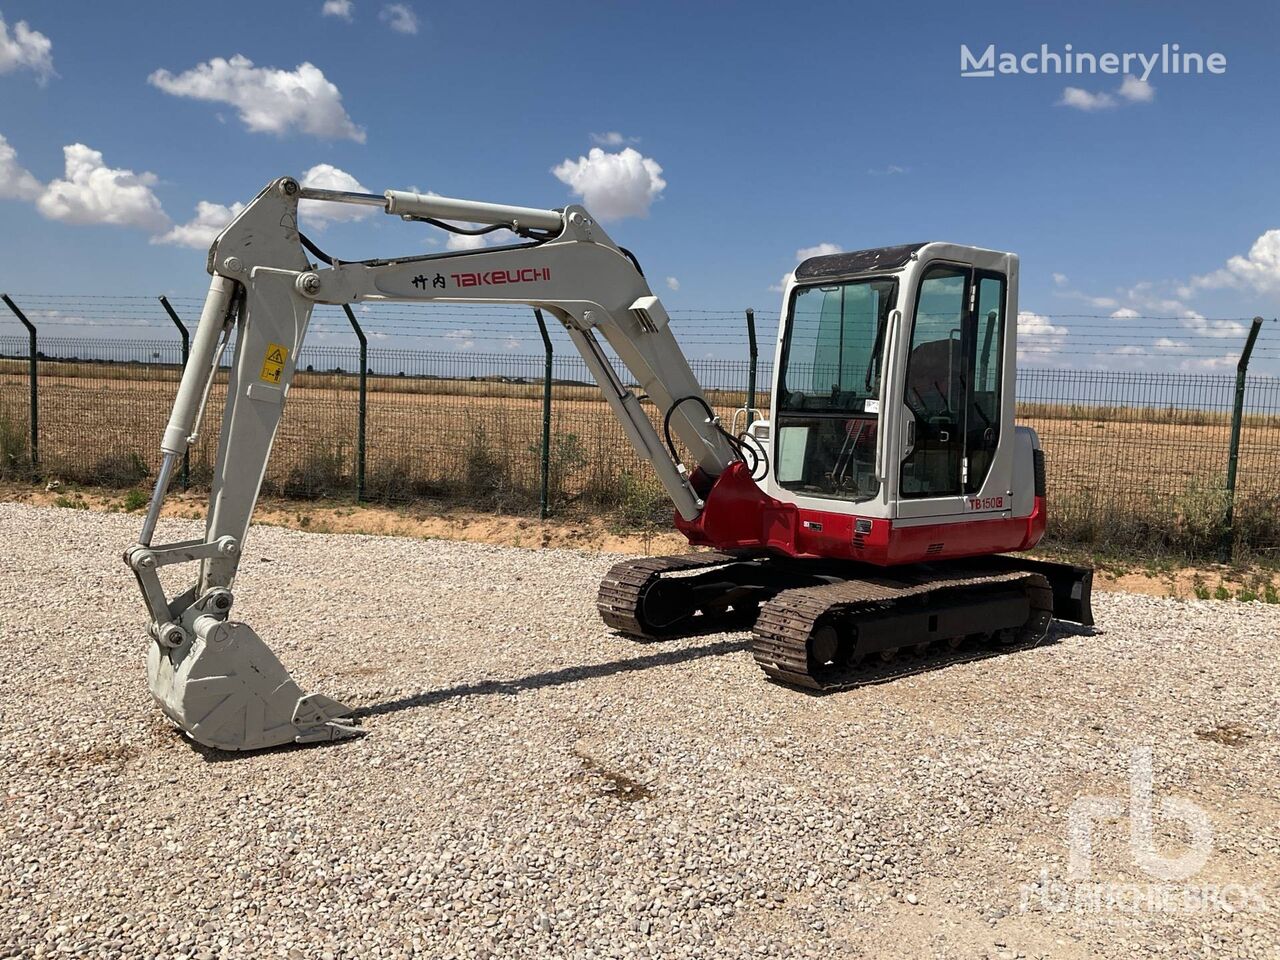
<point x="781" y="637"/>
<point x="622" y="587"/>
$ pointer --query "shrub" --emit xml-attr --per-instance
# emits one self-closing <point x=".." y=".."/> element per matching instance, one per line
<point x="118" y="469"/>
<point x="486" y="474"/>
<point x="15" y="459"/>
<point x="322" y="472"/>
<point x="641" y="501"/>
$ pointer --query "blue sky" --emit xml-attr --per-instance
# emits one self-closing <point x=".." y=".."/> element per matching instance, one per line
<point x="776" y="128"/>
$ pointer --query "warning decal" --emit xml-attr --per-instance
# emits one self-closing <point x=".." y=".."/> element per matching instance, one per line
<point x="273" y="364"/>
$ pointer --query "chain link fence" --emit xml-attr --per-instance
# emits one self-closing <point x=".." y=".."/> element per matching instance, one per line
<point x="1139" y="460"/>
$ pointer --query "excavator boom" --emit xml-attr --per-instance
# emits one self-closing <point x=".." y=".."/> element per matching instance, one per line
<point x="213" y="675"/>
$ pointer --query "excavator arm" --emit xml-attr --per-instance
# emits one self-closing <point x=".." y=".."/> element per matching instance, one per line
<point x="214" y="676"/>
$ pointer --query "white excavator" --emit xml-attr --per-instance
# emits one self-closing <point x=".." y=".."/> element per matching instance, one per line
<point x="877" y="510"/>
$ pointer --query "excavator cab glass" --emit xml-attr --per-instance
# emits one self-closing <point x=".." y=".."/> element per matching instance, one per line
<point x="828" y="409"/>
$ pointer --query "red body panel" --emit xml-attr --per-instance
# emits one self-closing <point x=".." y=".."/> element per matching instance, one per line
<point x="739" y="515"/>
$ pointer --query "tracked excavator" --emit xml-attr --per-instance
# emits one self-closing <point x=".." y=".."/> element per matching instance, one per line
<point x="873" y="518"/>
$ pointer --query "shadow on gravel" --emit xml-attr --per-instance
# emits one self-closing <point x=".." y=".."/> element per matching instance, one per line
<point x="214" y="755"/>
<point x="557" y="678"/>
<point x="552" y="678"/>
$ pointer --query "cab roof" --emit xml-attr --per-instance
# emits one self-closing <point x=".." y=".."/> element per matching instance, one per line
<point x="858" y="261"/>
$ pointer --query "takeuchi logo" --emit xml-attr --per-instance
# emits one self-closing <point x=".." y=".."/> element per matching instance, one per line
<point x="1169" y="59"/>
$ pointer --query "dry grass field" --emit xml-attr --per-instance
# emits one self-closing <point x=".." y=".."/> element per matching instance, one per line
<point x="1150" y="478"/>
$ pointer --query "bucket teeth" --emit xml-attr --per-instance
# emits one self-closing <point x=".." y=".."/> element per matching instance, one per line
<point x="225" y="689"/>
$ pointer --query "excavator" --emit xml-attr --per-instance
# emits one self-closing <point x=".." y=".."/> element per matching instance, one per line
<point x="876" y="515"/>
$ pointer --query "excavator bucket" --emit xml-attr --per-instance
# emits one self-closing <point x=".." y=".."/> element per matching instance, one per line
<point x="225" y="689"/>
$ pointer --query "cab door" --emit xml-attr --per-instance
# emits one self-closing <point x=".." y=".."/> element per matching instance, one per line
<point x="951" y="390"/>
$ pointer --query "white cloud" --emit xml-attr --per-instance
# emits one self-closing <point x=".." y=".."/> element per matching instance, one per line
<point x="198" y="232"/>
<point x="325" y="176"/>
<point x="511" y="343"/>
<point x="1259" y="269"/>
<point x="1125" y="313"/>
<point x="1169" y="345"/>
<point x="399" y="17"/>
<point x="818" y="250"/>
<point x="1212" y="328"/>
<point x="1060" y="280"/>
<point x="341" y="9"/>
<point x="26" y="48"/>
<point x="613" y="185"/>
<point x="613" y="138"/>
<point x="1137" y="91"/>
<point x="804" y="253"/>
<point x="461" y="339"/>
<point x="1131" y="89"/>
<point x="891" y="170"/>
<point x="92" y="192"/>
<point x="16" y="182"/>
<point x="1048" y="338"/>
<point x="1210" y="364"/>
<point x="1084" y="100"/>
<point x="466" y="241"/>
<point x="781" y="284"/>
<point x="673" y="283"/>
<point x="270" y="100"/>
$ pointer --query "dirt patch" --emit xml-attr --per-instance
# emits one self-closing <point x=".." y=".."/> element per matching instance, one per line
<point x="611" y="783"/>
<point x="1228" y="734"/>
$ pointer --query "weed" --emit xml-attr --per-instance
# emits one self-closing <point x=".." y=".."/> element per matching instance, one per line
<point x="14" y="456"/>
<point x="488" y="480"/>
<point x="1247" y="595"/>
<point x="1222" y="593"/>
<point x="1199" y="588"/>
<point x="566" y="459"/>
<point x="394" y="480"/>
<point x="135" y="500"/>
<point x="640" y="502"/>
<point x="1201" y="511"/>
<point x="73" y="502"/>
<point x="322" y="472"/>
<point x="1269" y="593"/>
<point x="1255" y="523"/>
<point x="117" y="470"/>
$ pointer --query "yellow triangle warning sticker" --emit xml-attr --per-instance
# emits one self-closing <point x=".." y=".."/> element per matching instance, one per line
<point x="273" y="363"/>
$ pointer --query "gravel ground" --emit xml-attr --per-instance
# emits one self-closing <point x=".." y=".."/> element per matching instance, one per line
<point x="534" y="786"/>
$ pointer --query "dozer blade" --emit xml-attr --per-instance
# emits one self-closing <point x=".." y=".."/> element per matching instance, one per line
<point x="224" y="688"/>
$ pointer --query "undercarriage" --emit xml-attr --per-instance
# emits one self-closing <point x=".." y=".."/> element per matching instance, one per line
<point x="827" y="625"/>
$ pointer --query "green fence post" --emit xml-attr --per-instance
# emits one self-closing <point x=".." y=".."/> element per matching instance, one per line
<point x="186" y="355"/>
<point x="1233" y="456"/>
<point x="362" y="409"/>
<point x="751" y="366"/>
<point x="543" y="505"/>
<point x="33" y="375"/>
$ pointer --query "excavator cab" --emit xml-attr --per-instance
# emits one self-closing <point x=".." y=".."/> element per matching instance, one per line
<point x="894" y="394"/>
